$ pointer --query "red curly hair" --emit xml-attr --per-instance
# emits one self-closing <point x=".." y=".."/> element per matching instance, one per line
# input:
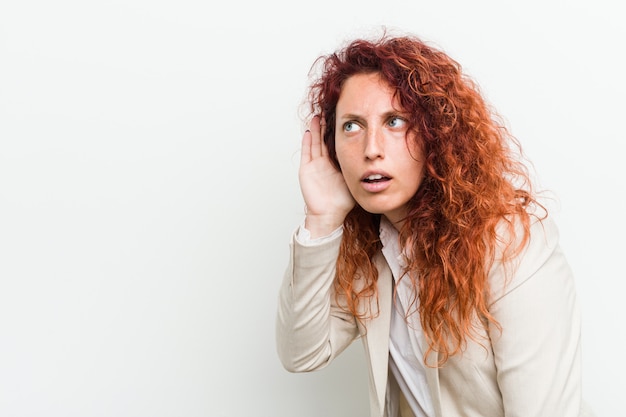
<point x="474" y="179"/>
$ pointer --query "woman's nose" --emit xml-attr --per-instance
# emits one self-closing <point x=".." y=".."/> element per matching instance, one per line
<point x="374" y="144"/>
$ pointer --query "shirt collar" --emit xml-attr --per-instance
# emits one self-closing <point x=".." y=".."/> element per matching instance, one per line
<point x="389" y="237"/>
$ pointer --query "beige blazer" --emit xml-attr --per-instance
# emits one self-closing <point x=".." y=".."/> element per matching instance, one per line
<point x="531" y="369"/>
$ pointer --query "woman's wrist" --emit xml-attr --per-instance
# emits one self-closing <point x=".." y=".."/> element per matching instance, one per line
<point x="320" y="225"/>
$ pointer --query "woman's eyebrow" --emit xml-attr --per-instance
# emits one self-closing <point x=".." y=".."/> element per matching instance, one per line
<point x="351" y="116"/>
<point x="384" y="116"/>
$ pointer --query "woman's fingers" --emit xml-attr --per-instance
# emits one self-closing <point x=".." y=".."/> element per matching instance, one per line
<point x="317" y="144"/>
<point x="313" y="142"/>
<point x="323" y="148"/>
<point x="305" y="153"/>
<point x="325" y="192"/>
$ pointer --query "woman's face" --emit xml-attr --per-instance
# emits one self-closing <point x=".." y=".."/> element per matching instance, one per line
<point x="379" y="158"/>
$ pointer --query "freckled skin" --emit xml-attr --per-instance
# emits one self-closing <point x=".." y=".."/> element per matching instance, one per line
<point x="371" y="137"/>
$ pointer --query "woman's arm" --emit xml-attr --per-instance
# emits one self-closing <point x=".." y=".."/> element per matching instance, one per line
<point x="311" y="329"/>
<point x="537" y="354"/>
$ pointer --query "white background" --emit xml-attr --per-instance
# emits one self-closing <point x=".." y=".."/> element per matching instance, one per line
<point x="148" y="189"/>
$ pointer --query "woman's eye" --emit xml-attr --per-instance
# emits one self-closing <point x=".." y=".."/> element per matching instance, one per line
<point x="350" y="127"/>
<point x="397" y="122"/>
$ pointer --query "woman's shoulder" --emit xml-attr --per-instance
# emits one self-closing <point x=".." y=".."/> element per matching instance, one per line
<point x="536" y="231"/>
<point x="529" y="247"/>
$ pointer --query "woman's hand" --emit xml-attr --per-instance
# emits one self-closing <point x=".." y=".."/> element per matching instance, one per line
<point x="325" y="193"/>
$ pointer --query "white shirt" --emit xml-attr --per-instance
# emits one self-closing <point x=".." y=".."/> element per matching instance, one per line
<point x="406" y="336"/>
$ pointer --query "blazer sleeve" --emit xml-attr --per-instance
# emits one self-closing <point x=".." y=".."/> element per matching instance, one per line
<point x="311" y="329"/>
<point x="537" y="352"/>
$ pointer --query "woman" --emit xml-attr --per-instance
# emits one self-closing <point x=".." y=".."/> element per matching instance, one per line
<point x="423" y="237"/>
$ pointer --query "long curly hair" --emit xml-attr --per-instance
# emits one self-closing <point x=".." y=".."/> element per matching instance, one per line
<point x="474" y="180"/>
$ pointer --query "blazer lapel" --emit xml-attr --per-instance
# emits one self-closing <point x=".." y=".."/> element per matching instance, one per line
<point x="378" y="332"/>
<point x="432" y="376"/>
<point x="378" y="342"/>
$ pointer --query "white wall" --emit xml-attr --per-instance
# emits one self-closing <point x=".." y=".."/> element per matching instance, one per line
<point x="148" y="159"/>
